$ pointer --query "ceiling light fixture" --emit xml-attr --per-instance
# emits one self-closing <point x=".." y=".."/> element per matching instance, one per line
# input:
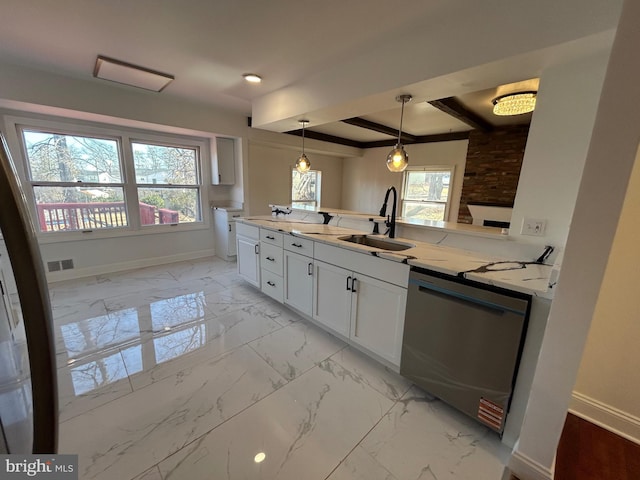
<point x="302" y="164"/>
<point x="514" y="103"/>
<point x="252" y="78"/>
<point x="129" y="74"/>
<point x="397" y="160"/>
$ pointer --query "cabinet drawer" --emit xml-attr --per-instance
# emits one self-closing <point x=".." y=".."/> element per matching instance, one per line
<point x="250" y="231"/>
<point x="271" y="258"/>
<point x="269" y="236"/>
<point x="298" y="245"/>
<point x="273" y="285"/>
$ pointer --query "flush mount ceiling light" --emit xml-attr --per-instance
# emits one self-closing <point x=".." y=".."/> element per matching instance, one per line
<point x="129" y="74"/>
<point x="303" y="164"/>
<point x="252" y="78"/>
<point x="397" y="160"/>
<point x="514" y="103"/>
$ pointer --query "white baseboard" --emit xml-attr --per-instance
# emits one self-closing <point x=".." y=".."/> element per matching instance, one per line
<point x="605" y="416"/>
<point x="525" y="468"/>
<point x="76" y="273"/>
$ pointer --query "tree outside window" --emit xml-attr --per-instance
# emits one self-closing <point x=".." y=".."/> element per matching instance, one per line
<point x="305" y="189"/>
<point x="426" y="193"/>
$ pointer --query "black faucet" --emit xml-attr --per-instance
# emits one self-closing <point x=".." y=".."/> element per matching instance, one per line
<point x="391" y="223"/>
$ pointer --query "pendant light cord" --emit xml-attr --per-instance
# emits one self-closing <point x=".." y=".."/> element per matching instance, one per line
<point x="303" y="123"/>
<point x="401" y="117"/>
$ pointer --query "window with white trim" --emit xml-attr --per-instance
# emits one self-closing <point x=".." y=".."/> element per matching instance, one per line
<point x="426" y="193"/>
<point x="305" y="188"/>
<point x="84" y="182"/>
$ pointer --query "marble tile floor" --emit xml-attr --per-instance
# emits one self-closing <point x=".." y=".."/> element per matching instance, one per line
<point x="184" y="371"/>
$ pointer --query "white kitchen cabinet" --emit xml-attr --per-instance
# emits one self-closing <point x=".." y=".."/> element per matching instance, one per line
<point x="370" y="312"/>
<point x="224" y="231"/>
<point x="248" y="249"/>
<point x="223" y="165"/>
<point x="377" y="316"/>
<point x="332" y="297"/>
<point x="298" y="281"/>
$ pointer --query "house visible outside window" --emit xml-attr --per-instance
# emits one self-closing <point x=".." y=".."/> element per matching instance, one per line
<point x="305" y="189"/>
<point x="111" y="182"/>
<point x="426" y="193"/>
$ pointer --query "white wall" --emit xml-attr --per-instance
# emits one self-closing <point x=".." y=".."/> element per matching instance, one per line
<point x="269" y="172"/>
<point x="607" y="390"/>
<point x="611" y="155"/>
<point x="367" y="178"/>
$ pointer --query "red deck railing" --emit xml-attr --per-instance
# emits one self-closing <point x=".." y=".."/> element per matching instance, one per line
<point x="54" y="217"/>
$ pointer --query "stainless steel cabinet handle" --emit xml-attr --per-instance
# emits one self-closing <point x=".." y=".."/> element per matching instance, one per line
<point x="271" y="259"/>
<point x="271" y="284"/>
<point x="257" y="249"/>
<point x="296" y="245"/>
<point x="229" y="227"/>
<point x="310" y="268"/>
<point x="348" y="285"/>
<point x="270" y="237"/>
<point x="353" y="285"/>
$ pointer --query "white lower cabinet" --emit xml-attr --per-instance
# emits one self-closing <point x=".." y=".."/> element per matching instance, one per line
<point x="368" y="311"/>
<point x="377" y="316"/>
<point x="248" y="249"/>
<point x="332" y="297"/>
<point x="298" y="282"/>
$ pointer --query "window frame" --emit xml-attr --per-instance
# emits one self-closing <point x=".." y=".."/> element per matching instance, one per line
<point x="124" y="136"/>
<point x="427" y="168"/>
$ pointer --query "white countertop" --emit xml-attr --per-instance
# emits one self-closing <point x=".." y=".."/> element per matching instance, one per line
<point x="513" y="274"/>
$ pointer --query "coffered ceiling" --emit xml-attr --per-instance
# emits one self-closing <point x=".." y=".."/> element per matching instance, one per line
<point x="327" y="61"/>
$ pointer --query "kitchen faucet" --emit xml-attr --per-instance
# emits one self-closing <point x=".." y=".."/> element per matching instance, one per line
<point x="391" y="223"/>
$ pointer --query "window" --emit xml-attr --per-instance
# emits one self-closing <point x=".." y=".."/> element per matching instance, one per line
<point x="305" y="189"/>
<point x="86" y="182"/>
<point x="77" y="181"/>
<point x="425" y="193"/>
<point x="167" y="182"/>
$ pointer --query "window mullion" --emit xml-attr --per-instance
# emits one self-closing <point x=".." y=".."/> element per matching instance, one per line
<point x="130" y="187"/>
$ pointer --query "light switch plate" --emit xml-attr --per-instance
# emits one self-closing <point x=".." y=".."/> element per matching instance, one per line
<point x="533" y="226"/>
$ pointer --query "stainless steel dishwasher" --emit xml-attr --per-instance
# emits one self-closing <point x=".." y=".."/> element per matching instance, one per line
<point x="462" y="343"/>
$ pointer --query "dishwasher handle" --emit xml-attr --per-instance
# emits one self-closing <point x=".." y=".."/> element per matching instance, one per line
<point x="426" y="287"/>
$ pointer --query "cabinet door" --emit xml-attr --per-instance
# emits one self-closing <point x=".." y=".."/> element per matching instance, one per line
<point x="332" y="296"/>
<point x="223" y="170"/>
<point x="377" y="316"/>
<point x="298" y="282"/>
<point x="249" y="260"/>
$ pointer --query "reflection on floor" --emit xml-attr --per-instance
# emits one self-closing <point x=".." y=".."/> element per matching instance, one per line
<point x="186" y="372"/>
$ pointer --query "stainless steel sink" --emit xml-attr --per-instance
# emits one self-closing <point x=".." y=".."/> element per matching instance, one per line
<point x="377" y="242"/>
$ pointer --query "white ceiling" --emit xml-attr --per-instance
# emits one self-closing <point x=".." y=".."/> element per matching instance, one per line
<point x="296" y="44"/>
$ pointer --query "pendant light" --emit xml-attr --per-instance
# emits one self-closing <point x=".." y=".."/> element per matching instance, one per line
<point x="302" y="164"/>
<point x="397" y="160"/>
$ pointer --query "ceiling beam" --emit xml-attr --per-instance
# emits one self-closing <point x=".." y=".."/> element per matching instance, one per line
<point x="457" y="110"/>
<point x="380" y="128"/>
<point x="325" y="137"/>
<point x="440" y="137"/>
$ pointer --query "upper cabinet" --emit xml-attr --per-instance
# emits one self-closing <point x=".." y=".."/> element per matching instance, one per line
<point x="223" y="168"/>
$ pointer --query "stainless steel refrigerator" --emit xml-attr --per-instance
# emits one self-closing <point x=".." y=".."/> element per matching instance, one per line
<point x="28" y="389"/>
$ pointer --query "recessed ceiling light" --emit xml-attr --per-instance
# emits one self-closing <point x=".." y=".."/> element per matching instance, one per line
<point x="129" y="74"/>
<point x="252" y="78"/>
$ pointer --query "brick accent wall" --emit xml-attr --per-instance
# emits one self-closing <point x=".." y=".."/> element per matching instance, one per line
<point x="491" y="174"/>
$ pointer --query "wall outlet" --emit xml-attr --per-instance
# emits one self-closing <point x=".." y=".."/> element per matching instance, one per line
<point x="533" y="226"/>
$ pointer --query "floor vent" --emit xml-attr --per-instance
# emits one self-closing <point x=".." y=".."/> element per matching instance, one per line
<point x="58" y="265"/>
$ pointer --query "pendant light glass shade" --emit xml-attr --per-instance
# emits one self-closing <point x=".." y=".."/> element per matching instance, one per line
<point x="303" y="164"/>
<point x="397" y="160"/>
